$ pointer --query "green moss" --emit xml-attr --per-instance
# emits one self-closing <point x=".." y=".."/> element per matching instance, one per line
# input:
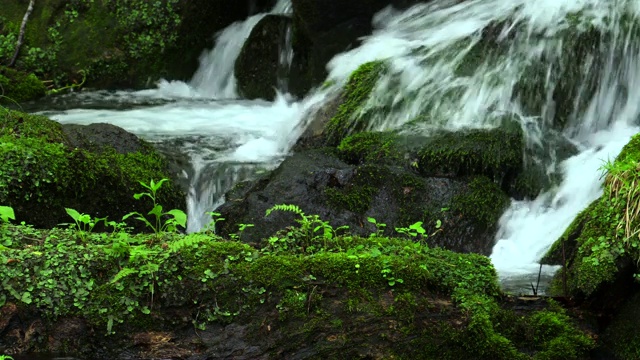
<point x="369" y="147"/>
<point x="42" y="175"/>
<point x="357" y="196"/>
<point x="23" y="125"/>
<point x="19" y="86"/>
<point x="63" y="38"/>
<point x="484" y="202"/>
<point x="495" y="153"/>
<point x="445" y="307"/>
<point x="597" y="244"/>
<point x="348" y="120"/>
<point x="31" y="170"/>
<point x="560" y="339"/>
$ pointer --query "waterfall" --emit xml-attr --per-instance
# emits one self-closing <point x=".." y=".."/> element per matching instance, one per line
<point x="453" y="64"/>
<point x="215" y="76"/>
<point x="285" y="59"/>
<point x="467" y="64"/>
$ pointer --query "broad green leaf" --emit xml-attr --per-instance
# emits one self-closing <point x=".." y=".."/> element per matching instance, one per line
<point x="179" y="216"/>
<point x="75" y="215"/>
<point x="157" y="210"/>
<point x="6" y="213"/>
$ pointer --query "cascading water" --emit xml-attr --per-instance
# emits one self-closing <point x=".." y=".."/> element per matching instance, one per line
<point x="285" y="59"/>
<point x="456" y="64"/>
<point x="225" y="140"/>
<point x="468" y="64"/>
<point x="215" y="77"/>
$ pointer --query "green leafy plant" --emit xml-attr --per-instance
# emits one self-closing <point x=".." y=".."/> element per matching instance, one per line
<point x="84" y="223"/>
<point x="6" y="214"/>
<point x="241" y="229"/>
<point x="414" y="230"/>
<point x="312" y="228"/>
<point x="5" y="357"/>
<point x="176" y="217"/>
<point x="379" y="227"/>
<point x="215" y="219"/>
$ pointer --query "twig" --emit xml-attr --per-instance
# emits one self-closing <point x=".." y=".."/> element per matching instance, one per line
<point x="538" y="283"/>
<point x="21" y="35"/>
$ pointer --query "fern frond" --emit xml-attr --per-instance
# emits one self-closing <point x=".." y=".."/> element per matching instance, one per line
<point x="187" y="242"/>
<point x="122" y="274"/>
<point x="286" y="207"/>
<point x="141" y="252"/>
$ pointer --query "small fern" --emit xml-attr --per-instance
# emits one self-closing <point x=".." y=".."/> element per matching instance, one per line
<point x="122" y="274"/>
<point x="187" y="242"/>
<point x="309" y="226"/>
<point x="287" y="207"/>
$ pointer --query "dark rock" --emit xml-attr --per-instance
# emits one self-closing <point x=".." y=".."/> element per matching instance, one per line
<point x="316" y="122"/>
<point x="257" y="68"/>
<point x="95" y="137"/>
<point x="320" y="184"/>
<point x="325" y="28"/>
<point x="201" y="20"/>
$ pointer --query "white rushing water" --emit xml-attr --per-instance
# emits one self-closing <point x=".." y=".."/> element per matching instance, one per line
<point x="436" y="71"/>
<point x="429" y="48"/>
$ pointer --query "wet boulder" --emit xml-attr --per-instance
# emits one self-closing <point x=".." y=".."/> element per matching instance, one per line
<point x="258" y="68"/>
<point x="458" y="214"/>
<point x="495" y="153"/>
<point x="93" y="169"/>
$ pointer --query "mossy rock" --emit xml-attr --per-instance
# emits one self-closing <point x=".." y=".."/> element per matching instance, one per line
<point x="599" y="257"/>
<point x="47" y="171"/>
<point x="495" y="153"/>
<point x="484" y="202"/>
<point x="349" y="118"/>
<point x="357" y="297"/>
<point x="574" y="84"/>
<point x="346" y="195"/>
<point x="17" y="86"/>
<point x="371" y="147"/>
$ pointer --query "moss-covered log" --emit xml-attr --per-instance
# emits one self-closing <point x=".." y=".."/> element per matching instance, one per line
<point x="198" y="295"/>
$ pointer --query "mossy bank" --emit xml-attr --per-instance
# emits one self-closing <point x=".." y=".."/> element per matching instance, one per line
<point x="95" y="169"/>
<point x="102" y="296"/>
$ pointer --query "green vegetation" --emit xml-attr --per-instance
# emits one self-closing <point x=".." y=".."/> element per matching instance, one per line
<point x="370" y="147"/>
<point x="483" y="202"/>
<point x="349" y="119"/>
<point x="96" y="39"/>
<point x="42" y="173"/>
<point x="19" y="86"/>
<point x="122" y="283"/>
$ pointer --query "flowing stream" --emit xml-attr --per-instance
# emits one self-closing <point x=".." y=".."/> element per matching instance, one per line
<point x="435" y="71"/>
